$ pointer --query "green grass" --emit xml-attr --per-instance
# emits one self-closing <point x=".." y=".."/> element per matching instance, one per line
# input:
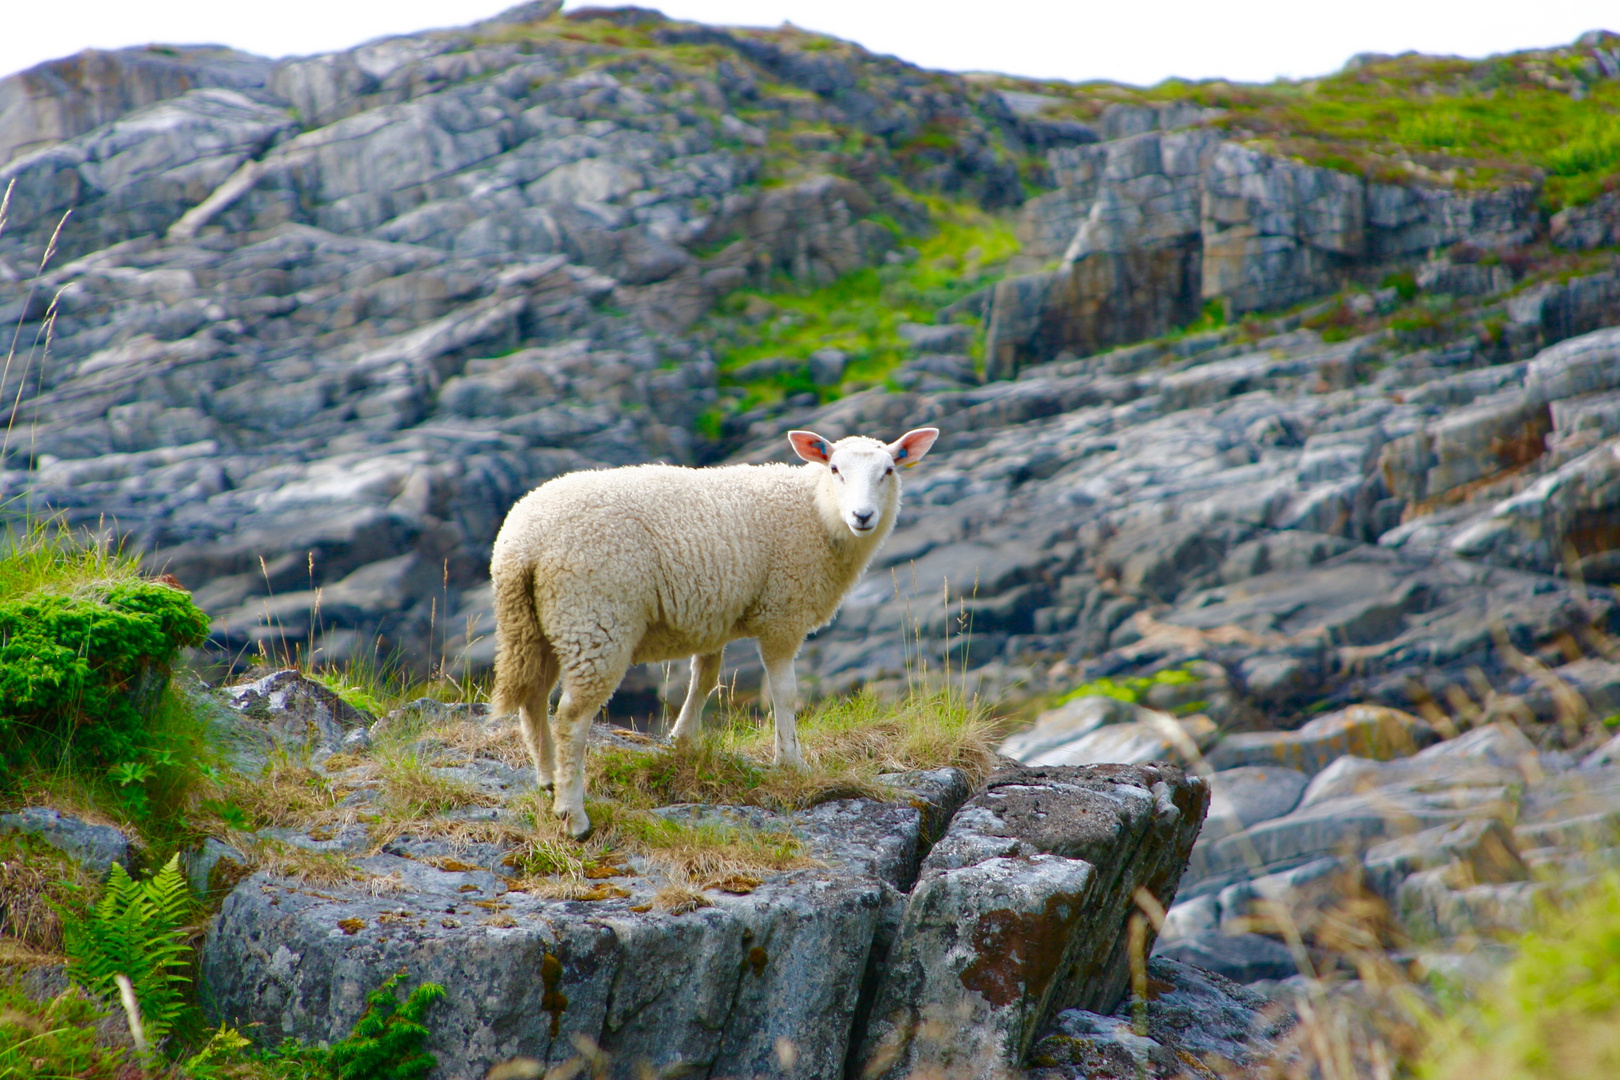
<point x="860" y="312"/>
<point x="55" y="1039"/>
<point x="847" y="742"/>
<point x="1555" y="1009"/>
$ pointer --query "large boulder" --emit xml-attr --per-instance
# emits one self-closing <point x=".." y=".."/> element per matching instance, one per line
<point x="1021" y="910"/>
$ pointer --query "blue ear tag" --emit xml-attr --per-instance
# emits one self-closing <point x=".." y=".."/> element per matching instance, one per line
<point x="821" y="446"/>
<point x="902" y="453"/>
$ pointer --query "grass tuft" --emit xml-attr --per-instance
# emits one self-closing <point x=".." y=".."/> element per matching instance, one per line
<point x="847" y="743"/>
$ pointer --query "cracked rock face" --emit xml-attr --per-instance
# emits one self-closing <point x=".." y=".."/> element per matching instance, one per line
<point x="1020" y="911"/>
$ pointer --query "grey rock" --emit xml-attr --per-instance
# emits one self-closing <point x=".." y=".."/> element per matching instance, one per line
<point x="59" y="99"/>
<point x="1538" y="528"/>
<point x="1243" y="958"/>
<point x="1591" y="225"/>
<point x="736" y="959"/>
<point x="98" y="847"/>
<point x="292" y="712"/>
<point x="214" y="868"/>
<point x="827" y="366"/>
<point x="1249" y="794"/>
<point x="1196" y="1015"/>
<point x="1362" y="730"/>
<point x="1287" y="901"/>
<point x="1481" y="851"/>
<point x="1607" y="754"/>
<point x="949" y="338"/>
<point x="1068" y="721"/>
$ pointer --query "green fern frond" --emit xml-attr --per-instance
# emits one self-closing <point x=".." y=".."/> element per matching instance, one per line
<point x="138" y="930"/>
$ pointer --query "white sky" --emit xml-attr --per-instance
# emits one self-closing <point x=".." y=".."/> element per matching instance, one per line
<point x="1141" y="42"/>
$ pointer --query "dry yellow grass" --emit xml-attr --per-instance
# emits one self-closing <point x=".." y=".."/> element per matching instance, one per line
<point x="318" y="869"/>
<point x="37" y="883"/>
<point x="497" y="742"/>
<point x="285" y="795"/>
<point x="411" y="790"/>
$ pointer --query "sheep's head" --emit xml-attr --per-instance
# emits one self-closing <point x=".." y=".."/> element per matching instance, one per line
<point x="863" y="473"/>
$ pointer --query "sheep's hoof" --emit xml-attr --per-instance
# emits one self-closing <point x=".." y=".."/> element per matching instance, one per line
<point x="578" y="825"/>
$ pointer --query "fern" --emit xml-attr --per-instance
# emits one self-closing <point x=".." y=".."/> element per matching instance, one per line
<point x="386" y="1043"/>
<point x="138" y="929"/>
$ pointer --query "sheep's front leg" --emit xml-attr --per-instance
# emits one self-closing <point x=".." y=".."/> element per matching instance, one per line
<point x="783" y="687"/>
<point x="705" y="677"/>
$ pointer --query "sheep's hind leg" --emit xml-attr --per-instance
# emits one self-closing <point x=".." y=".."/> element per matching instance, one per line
<point x="536" y="724"/>
<point x="783" y="686"/>
<point x="705" y="677"/>
<point x="587" y="685"/>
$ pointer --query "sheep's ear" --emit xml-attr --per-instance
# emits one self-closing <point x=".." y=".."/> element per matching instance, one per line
<point x="909" y="448"/>
<point x="810" y="446"/>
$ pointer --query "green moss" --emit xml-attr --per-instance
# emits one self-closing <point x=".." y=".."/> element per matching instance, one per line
<point x="86" y="649"/>
<point x="1404" y="284"/>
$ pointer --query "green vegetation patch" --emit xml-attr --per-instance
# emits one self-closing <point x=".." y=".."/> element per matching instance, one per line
<point x="1554" y="1011"/>
<point x="388" y="1043"/>
<point x="846" y="742"/>
<point x="861" y="312"/>
<point x="56" y="1039"/>
<point x="1134" y="689"/>
<point x="1412" y="118"/>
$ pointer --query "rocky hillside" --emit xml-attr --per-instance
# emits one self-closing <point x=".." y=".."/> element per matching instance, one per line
<point x="1305" y="389"/>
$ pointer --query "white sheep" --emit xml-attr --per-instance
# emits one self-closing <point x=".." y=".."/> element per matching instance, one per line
<point x="595" y="571"/>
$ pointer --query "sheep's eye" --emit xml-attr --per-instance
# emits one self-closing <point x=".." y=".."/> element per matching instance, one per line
<point x="889" y="471"/>
<point x="834" y="469"/>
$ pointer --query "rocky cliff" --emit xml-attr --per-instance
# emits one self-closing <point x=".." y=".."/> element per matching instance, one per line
<point x="1329" y="429"/>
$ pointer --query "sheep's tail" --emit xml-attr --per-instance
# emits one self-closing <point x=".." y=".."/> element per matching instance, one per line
<point x="520" y="644"/>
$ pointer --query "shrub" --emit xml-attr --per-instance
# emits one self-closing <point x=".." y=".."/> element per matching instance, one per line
<point x="80" y="671"/>
<point x="386" y="1044"/>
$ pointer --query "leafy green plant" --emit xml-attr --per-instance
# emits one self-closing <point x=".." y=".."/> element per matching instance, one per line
<point x="138" y="929"/>
<point x="386" y="1044"/>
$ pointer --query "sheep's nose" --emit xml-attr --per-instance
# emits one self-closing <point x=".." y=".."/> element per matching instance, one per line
<point x="863" y="518"/>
